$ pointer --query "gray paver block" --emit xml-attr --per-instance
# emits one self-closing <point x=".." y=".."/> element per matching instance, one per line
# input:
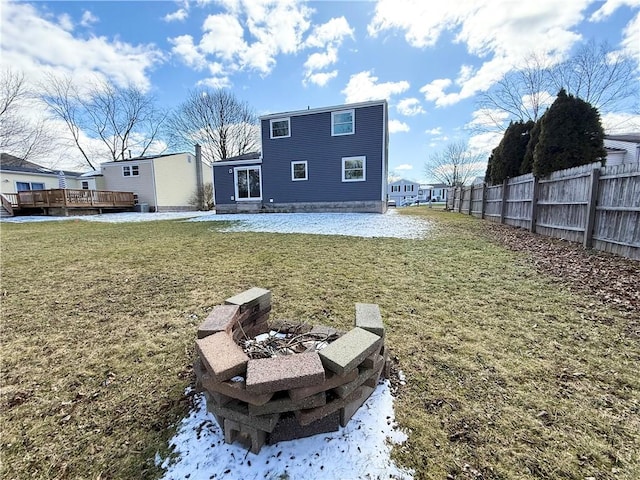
<point x="250" y="298"/>
<point x="363" y="376"/>
<point x="286" y="404"/>
<point x="349" y="410"/>
<point x="368" y="317"/>
<point x="305" y="417"/>
<point x="237" y="390"/>
<point x="222" y="357"/>
<point x="289" y="428"/>
<point x="284" y="372"/>
<point x="233" y="430"/>
<point x="239" y="412"/>
<point x="331" y="380"/>
<point x="221" y="319"/>
<point x="348" y="351"/>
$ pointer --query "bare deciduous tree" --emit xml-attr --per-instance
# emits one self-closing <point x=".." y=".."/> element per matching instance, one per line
<point x="455" y="165"/>
<point x="122" y="118"/>
<point x="223" y="125"/>
<point x="20" y="135"/>
<point x="595" y="73"/>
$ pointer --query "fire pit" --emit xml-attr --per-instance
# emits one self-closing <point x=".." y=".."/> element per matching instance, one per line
<point x="271" y="382"/>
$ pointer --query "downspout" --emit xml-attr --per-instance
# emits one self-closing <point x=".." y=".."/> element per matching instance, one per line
<point x="199" y="183"/>
<point x="155" y="190"/>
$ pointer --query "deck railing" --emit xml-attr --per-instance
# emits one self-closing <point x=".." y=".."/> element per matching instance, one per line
<point x="66" y="198"/>
<point x="9" y="201"/>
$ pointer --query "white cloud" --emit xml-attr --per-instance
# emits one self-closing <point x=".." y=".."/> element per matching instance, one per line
<point x="88" y="19"/>
<point x="179" y="15"/>
<point x="332" y="32"/>
<point x="409" y="107"/>
<point x="65" y="22"/>
<point x="488" y="118"/>
<point x="404" y="166"/>
<point x="363" y="86"/>
<point x="396" y="126"/>
<point x="619" y="123"/>
<point x="328" y="36"/>
<point x="50" y="49"/>
<point x="434" y="131"/>
<point x="631" y="39"/>
<point x="490" y="32"/>
<point x="610" y="6"/>
<point x="320" y="60"/>
<point x="184" y="47"/>
<point x="322" y="78"/>
<point x="483" y="143"/>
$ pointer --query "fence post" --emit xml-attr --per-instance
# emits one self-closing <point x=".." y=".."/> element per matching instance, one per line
<point x="461" y="199"/>
<point x="471" y="200"/>
<point x="484" y="198"/>
<point x="503" y="204"/>
<point x="534" y="205"/>
<point x="591" y="208"/>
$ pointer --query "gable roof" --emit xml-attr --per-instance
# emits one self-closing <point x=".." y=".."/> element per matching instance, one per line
<point x="627" y="137"/>
<point x="11" y="163"/>
<point x="310" y="111"/>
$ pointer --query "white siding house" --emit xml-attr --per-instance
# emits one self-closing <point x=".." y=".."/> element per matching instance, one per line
<point x="622" y="148"/>
<point x="403" y="192"/>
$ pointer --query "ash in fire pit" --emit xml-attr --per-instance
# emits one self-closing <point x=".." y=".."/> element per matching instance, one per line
<point x="267" y="383"/>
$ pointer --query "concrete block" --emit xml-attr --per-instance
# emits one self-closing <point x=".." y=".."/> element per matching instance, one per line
<point x="306" y="417"/>
<point x="331" y="380"/>
<point x="237" y="390"/>
<point x="221" y="319"/>
<point x="289" y="428"/>
<point x="251" y="298"/>
<point x="368" y="318"/>
<point x="250" y="330"/>
<point x="373" y="380"/>
<point x="222" y="357"/>
<point x="286" y="404"/>
<point x="324" y="331"/>
<point x="371" y="360"/>
<point x="281" y="373"/>
<point x="239" y="412"/>
<point x="364" y="375"/>
<point x="234" y="431"/>
<point x="348" y="351"/>
<point x="351" y="408"/>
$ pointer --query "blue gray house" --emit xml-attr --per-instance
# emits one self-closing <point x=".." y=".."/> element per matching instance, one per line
<point x="325" y="159"/>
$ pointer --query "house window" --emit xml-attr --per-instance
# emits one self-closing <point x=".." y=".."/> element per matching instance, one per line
<point x="343" y="122"/>
<point x="280" y="128"/>
<point x="248" y="184"/>
<point x="85" y="185"/>
<point x="130" y="171"/>
<point x="395" y="188"/>
<point x="408" y="188"/>
<point x="299" y="171"/>
<point x="26" y="186"/>
<point x="354" y="169"/>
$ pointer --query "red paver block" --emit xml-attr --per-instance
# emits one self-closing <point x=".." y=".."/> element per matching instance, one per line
<point x="239" y="412"/>
<point x="348" y="351"/>
<point x="233" y="430"/>
<point x="266" y="375"/>
<point x="305" y="417"/>
<point x="237" y="390"/>
<point x="222" y="357"/>
<point x="286" y="404"/>
<point x="331" y="380"/>
<point x="221" y="319"/>
<point x="250" y="330"/>
<point x="363" y="376"/>
<point x="251" y="298"/>
<point x="349" y="410"/>
<point x="368" y="317"/>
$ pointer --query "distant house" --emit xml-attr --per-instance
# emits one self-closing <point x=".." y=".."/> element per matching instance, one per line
<point x="403" y="192"/>
<point x="622" y="148"/>
<point x="436" y="192"/>
<point x="324" y="159"/>
<point x="163" y="182"/>
<point x="18" y="175"/>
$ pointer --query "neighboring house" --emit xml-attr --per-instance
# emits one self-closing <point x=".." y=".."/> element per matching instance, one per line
<point x="622" y="148"/>
<point x="324" y="159"/>
<point x="163" y="182"/>
<point x="17" y="175"/>
<point x="403" y="192"/>
<point x="435" y="193"/>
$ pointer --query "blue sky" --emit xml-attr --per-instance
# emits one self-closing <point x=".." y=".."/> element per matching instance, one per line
<point x="430" y="60"/>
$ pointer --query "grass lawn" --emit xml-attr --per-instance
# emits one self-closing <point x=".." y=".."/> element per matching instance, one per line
<point x="509" y="374"/>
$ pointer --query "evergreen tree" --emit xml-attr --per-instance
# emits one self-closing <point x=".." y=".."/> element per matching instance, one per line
<point x="570" y="135"/>
<point x="534" y="135"/>
<point x="509" y="154"/>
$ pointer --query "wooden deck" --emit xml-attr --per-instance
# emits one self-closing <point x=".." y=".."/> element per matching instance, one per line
<point x="74" y="199"/>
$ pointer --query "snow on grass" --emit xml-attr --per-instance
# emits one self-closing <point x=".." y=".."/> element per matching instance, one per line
<point x="389" y="224"/>
<point x="358" y="451"/>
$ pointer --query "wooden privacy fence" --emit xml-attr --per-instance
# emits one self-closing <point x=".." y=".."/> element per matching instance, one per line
<point x="596" y="206"/>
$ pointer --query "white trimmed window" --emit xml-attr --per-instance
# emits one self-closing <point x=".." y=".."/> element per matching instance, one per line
<point x="130" y="171"/>
<point x="354" y="169"/>
<point x="299" y="171"/>
<point x="280" y="127"/>
<point x="343" y="122"/>
<point x="248" y="183"/>
<point x="395" y="188"/>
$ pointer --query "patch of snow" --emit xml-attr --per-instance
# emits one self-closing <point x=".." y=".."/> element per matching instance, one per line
<point x="390" y="224"/>
<point x="122" y="217"/>
<point x="360" y="450"/>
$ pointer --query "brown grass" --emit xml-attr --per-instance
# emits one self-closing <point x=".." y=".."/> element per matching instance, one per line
<point x="510" y="374"/>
